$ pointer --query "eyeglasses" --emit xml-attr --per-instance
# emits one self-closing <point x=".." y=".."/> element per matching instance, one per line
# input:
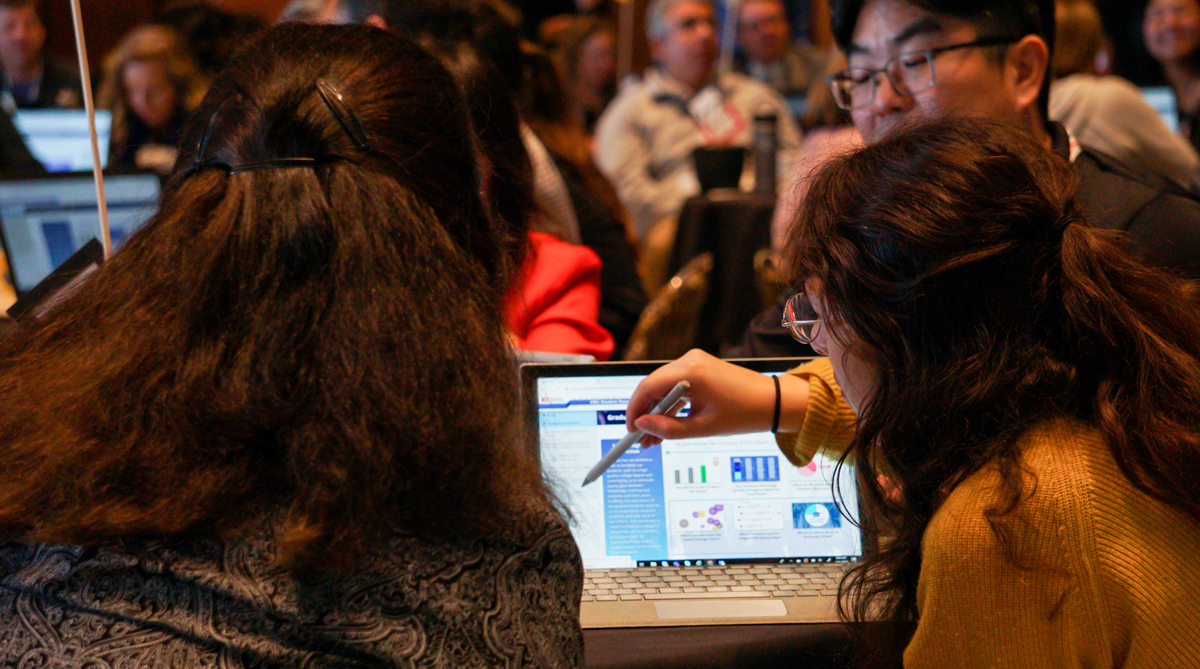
<point x="800" y="318"/>
<point x="909" y="73"/>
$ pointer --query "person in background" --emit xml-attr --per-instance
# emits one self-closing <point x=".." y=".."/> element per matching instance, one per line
<point x="1172" y="34"/>
<point x="212" y="35"/>
<point x="644" y="140"/>
<point x="280" y="427"/>
<point x="313" y="11"/>
<point x="553" y="305"/>
<point x="1020" y="397"/>
<point x="151" y="83"/>
<point x="989" y="59"/>
<point x="31" y="80"/>
<point x="585" y="54"/>
<point x="603" y="226"/>
<point x="766" y="52"/>
<point x="1107" y="113"/>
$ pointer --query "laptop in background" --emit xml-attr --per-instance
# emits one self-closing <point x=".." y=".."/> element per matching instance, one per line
<point x="59" y="138"/>
<point x="1162" y="99"/>
<point x="719" y="530"/>
<point x="45" y="219"/>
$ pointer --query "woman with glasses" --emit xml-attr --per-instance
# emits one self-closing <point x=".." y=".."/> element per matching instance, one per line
<point x="1021" y="398"/>
<point x="280" y="427"/>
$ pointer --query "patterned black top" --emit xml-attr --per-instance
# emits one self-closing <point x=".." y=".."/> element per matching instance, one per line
<point x="511" y="602"/>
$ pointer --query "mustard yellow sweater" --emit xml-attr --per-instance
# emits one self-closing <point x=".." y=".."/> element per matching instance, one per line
<point x="1100" y="574"/>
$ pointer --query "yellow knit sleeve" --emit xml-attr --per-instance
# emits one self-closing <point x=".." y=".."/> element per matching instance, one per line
<point x="829" y="421"/>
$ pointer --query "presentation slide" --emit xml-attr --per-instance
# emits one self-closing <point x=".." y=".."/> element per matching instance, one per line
<point x="720" y="498"/>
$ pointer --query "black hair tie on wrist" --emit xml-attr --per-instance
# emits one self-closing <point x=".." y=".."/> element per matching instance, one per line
<point x="778" y="401"/>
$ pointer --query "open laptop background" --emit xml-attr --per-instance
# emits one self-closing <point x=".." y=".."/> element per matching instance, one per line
<point x="44" y="219"/>
<point x="1162" y="99"/>
<point x="59" y="138"/>
<point x="702" y="531"/>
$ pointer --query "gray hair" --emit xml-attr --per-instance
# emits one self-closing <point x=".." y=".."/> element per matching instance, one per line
<point x="656" y="16"/>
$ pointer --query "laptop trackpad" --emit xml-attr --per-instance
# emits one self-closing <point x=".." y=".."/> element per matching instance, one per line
<point x="721" y="608"/>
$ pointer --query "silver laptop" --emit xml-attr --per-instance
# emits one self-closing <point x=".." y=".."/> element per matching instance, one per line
<point x="692" y="532"/>
<point x="60" y="139"/>
<point x="47" y="218"/>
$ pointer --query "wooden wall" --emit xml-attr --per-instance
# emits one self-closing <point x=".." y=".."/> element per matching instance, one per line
<point x="105" y="22"/>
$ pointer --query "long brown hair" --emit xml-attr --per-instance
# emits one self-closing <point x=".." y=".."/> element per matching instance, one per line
<point x="148" y="43"/>
<point x="956" y="254"/>
<point x="320" y="343"/>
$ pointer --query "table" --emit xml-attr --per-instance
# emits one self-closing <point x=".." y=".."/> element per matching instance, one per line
<point x="732" y="225"/>
<point x="797" y="646"/>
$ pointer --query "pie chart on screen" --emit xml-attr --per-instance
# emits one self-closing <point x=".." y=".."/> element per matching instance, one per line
<point x="816" y="515"/>
<point x="809" y="469"/>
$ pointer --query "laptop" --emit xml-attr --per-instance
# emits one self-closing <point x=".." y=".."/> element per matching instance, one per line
<point x="1162" y="99"/>
<point x="45" y="219"/>
<point x="60" y="139"/>
<point x="711" y="531"/>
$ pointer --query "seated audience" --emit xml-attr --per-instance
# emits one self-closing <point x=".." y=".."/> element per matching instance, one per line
<point x="280" y="426"/>
<point x="603" y="226"/>
<point x="585" y="54"/>
<point x="313" y="11"/>
<point x="31" y="80"/>
<point x="553" y="306"/>
<point x="1020" y="395"/>
<point x="1172" y="33"/>
<point x="645" y="138"/>
<point x="766" y="52"/>
<point x="151" y="83"/>
<point x="1157" y="219"/>
<point x="1107" y="113"/>
<point x="213" y="35"/>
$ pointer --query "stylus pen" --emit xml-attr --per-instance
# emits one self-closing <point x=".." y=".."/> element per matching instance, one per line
<point x="629" y="439"/>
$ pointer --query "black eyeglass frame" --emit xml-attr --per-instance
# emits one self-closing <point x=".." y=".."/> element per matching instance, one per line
<point x="874" y="73"/>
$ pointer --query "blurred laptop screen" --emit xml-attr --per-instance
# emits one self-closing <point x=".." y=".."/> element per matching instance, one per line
<point x="45" y="220"/>
<point x="59" y="138"/>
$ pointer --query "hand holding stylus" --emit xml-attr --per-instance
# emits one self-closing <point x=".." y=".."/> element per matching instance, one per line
<point x="667" y="404"/>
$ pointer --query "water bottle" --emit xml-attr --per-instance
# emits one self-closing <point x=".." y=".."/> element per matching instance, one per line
<point x="766" y="143"/>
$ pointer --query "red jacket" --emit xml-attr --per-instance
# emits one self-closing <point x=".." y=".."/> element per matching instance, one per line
<point x="555" y="304"/>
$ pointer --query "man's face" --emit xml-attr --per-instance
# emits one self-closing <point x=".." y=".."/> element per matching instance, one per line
<point x="21" y="37"/>
<point x="968" y="81"/>
<point x="688" y="52"/>
<point x="763" y="30"/>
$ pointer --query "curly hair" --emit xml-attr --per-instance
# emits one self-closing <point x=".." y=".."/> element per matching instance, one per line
<point x="956" y="254"/>
<point x="320" y="342"/>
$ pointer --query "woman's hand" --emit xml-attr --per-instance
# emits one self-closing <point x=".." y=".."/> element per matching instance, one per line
<point x="725" y="398"/>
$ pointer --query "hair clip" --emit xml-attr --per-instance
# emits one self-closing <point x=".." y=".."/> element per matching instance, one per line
<point x="344" y="114"/>
<point x="278" y="163"/>
<point x="202" y="147"/>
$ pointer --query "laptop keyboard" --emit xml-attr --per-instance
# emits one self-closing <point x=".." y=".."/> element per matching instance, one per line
<point x="789" y="580"/>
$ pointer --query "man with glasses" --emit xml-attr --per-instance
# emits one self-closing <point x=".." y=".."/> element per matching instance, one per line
<point x="915" y="59"/>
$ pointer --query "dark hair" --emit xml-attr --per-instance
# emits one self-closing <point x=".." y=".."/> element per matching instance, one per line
<point x="957" y="255"/>
<point x="18" y="4"/>
<point x="508" y="170"/>
<point x="1011" y="18"/>
<point x="318" y="342"/>
<point x="212" y="34"/>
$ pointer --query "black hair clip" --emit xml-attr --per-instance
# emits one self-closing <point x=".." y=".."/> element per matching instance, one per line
<point x="344" y="114"/>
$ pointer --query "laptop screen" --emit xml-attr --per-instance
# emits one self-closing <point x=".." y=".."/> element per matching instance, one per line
<point x="1162" y="99"/>
<point x="711" y="501"/>
<point x="45" y="220"/>
<point x="59" y="138"/>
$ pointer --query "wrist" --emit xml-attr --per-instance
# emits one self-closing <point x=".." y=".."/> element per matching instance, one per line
<point x="793" y="396"/>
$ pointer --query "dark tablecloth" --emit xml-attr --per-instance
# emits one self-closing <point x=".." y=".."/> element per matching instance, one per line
<point x="733" y="226"/>
<point x="807" y="646"/>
